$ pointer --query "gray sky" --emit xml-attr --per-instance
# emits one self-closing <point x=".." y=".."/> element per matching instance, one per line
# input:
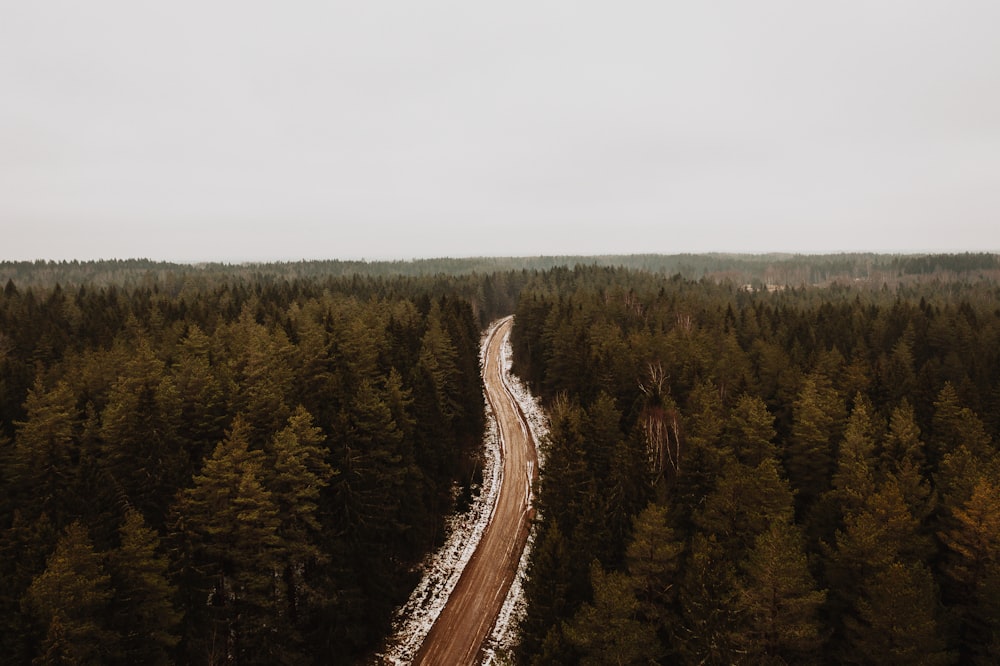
<point x="253" y="130"/>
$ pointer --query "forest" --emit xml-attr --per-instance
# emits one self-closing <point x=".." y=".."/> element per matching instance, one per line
<point x="774" y="459"/>
<point x="808" y="475"/>
<point x="232" y="470"/>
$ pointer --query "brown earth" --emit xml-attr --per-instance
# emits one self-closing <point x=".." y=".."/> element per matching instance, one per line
<point x="466" y="620"/>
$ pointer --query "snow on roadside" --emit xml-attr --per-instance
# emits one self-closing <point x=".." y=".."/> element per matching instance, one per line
<point x="442" y="569"/>
<point x="503" y="638"/>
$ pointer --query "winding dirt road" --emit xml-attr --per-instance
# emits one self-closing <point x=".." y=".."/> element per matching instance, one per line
<point x="466" y="620"/>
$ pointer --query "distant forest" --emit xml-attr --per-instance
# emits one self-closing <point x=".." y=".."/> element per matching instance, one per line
<point x="752" y="459"/>
<point x="761" y="270"/>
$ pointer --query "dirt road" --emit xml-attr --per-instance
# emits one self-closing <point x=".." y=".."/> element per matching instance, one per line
<point x="466" y="620"/>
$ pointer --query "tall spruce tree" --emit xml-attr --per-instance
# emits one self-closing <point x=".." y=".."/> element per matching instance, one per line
<point x="144" y="612"/>
<point x="228" y="526"/>
<point x="71" y="600"/>
<point x="780" y="600"/>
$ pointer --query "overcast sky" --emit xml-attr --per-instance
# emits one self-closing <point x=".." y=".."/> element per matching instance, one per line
<point x="258" y="130"/>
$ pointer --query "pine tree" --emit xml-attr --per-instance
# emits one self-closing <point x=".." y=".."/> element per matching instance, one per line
<point x="607" y="631"/>
<point x="24" y="548"/>
<point x="201" y="394"/>
<point x="436" y="383"/>
<point x="896" y="622"/>
<point x="882" y="535"/>
<point x="545" y="589"/>
<point x="955" y="425"/>
<point x="903" y="440"/>
<point x="780" y="600"/>
<point x="144" y="614"/>
<point x="745" y="501"/>
<point x="903" y="457"/>
<point x="71" y="599"/>
<point x="709" y="605"/>
<point x="260" y="363"/>
<point x="818" y="411"/>
<point x="652" y="559"/>
<point x="227" y="523"/>
<point x="750" y="430"/>
<point x="973" y="569"/>
<point x="296" y="478"/>
<point x="854" y="480"/>
<point x="46" y="448"/>
<point x="140" y="448"/>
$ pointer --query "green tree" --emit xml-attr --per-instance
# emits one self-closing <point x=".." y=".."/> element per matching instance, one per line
<point x="750" y="430"/>
<point x="546" y="587"/>
<point x="608" y="631"/>
<point x="779" y="599"/>
<point x="903" y="457"/>
<point x="201" y="392"/>
<point x="71" y="599"/>
<point x="972" y="570"/>
<point x="955" y="425"/>
<point x="708" y="603"/>
<point x="854" y="479"/>
<point x="24" y="548"/>
<point x="881" y="551"/>
<point x="296" y="477"/>
<point x="144" y="614"/>
<point x="229" y="530"/>
<point x="653" y="559"/>
<point x="745" y="501"/>
<point x="260" y="366"/>
<point x="896" y="622"/>
<point x="138" y="431"/>
<point x="817" y="416"/>
<point x="46" y="447"/>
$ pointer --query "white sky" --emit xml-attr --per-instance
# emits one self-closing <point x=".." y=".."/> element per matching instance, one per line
<point x="257" y="130"/>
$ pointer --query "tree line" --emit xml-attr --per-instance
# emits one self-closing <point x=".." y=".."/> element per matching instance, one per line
<point x="735" y="476"/>
<point x="747" y="269"/>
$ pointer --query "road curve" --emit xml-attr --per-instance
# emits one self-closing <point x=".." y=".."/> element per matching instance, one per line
<point x="466" y="620"/>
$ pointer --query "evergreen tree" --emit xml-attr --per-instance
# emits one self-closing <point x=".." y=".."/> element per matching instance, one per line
<point x="46" y="449"/>
<point x="144" y="614"/>
<point x="955" y="425"/>
<point x="24" y="548"/>
<point x="296" y="478"/>
<point x="138" y="433"/>
<point x="780" y="600"/>
<point x="854" y="480"/>
<point x="750" y="430"/>
<point x="904" y="458"/>
<point x="202" y="395"/>
<point x="972" y="570"/>
<point x="607" y="631"/>
<point x="896" y="619"/>
<point x="71" y="599"/>
<point x="818" y="411"/>
<point x="545" y="589"/>
<point x="653" y="560"/>
<point x="228" y="526"/>
<point x="709" y="604"/>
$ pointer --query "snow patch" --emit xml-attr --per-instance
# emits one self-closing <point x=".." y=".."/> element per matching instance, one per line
<point x="442" y="569"/>
<point x="503" y="639"/>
